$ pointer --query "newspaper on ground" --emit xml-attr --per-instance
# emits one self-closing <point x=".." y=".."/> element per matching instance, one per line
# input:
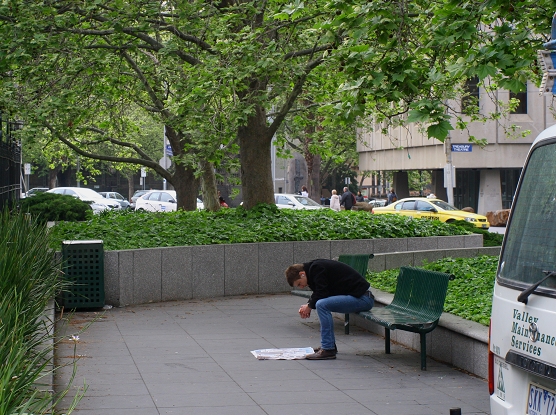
<point x="294" y="353"/>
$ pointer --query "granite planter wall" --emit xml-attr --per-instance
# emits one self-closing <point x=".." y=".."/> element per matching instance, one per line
<point x="187" y="272"/>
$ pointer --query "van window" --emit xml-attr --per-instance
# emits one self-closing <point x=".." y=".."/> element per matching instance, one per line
<point x="530" y="242"/>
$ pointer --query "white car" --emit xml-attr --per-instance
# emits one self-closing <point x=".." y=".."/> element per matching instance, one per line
<point x="95" y="199"/>
<point x="161" y="201"/>
<point x="292" y="201"/>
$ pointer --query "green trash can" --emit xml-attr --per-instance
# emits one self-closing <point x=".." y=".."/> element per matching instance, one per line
<point x="83" y="265"/>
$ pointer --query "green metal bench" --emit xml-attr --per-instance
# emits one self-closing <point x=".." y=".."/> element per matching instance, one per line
<point x="417" y="306"/>
<point x="359" y="262"/>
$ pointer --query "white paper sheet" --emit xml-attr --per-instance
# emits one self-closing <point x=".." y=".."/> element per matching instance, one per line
<point x="294" y="353"/>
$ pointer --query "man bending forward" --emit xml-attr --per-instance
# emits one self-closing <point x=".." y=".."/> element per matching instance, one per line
<point x="336" y="288"/>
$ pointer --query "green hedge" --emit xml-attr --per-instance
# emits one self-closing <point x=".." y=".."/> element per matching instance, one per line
<point x="264" y="223"/>
<point x="46" y="207"/>
<point x="469" y="294"/>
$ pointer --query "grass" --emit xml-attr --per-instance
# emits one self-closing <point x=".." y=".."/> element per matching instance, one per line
<point x="469" y="295"/>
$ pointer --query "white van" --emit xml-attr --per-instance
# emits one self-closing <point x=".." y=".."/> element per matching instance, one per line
<point x="522" y="349"/>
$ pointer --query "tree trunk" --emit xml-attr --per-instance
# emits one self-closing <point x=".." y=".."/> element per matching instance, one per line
<point x="315" y="185"/>
<point x="256" y="163"/>
<point x="52" y="177"/>
<point x="186" y="186"/>
<point x="130" y="186"/>
<point x="208" y="187"/>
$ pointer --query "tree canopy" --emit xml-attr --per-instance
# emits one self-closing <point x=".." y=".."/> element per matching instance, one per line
<point x="222" y="76"/>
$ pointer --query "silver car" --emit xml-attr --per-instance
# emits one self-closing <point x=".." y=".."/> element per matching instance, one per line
<point x="117" y="197"/>
<point x="293" y="201"/>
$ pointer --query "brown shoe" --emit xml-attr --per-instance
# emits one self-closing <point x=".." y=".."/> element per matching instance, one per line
<point x="322" y="354"/>
<point x="335" y="348"/>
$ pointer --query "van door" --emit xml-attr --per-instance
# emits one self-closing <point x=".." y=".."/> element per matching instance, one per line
<point x="522" y="349"/>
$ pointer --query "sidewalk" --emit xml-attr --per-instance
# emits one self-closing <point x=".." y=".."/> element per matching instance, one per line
<point x="193" y="357"/>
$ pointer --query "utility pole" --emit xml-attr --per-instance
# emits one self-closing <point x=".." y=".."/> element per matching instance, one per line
<point x="449" y="171"/>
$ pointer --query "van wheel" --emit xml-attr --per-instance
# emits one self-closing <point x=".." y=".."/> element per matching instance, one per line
<point x="450" y="221"/>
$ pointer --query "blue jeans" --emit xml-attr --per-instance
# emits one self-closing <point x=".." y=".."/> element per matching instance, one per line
<point x="338" y="304"/>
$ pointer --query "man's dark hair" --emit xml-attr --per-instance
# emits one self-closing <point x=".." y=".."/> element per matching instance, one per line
<point x="292" y="273"/>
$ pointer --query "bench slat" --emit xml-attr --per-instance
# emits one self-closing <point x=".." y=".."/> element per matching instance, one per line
<point x="395" y="320"/>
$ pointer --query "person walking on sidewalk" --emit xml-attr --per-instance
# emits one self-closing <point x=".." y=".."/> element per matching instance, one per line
<point x="335" y="201"/>
<point x="337" y="288"/>
<point x="347" y="200"/>
<point x="392" y="196"/>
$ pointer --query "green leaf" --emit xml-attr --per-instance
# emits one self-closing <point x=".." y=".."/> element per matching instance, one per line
<point x="359" y="48"/>
<point x="484" y="71"/>
<point x="417" y="116"/>
<point x="439" y="131"/>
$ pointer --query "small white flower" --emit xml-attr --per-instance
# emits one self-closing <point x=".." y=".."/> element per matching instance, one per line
<point x="74" y="338"/>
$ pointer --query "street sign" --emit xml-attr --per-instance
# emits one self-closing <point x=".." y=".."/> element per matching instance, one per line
<point x="169" y="151"/>
<point x="462" y="148"/>
<point x="27" y="167"/>
<point x="165" y="162"/>
<point x="143" y="172"/>
<point x="449" y="175"/>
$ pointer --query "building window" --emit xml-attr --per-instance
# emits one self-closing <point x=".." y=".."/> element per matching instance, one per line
<point x="466" y="192"/>
<point x="471" y="97"/>
<point x="522" y="107"/>
<point x="508" y="185"/>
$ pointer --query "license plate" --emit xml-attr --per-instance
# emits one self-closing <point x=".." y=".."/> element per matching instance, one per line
<point x="484" y="226"/>
<point x="541" y="401"/>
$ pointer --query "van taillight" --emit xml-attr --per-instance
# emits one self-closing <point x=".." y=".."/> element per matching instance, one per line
<point x="490" y="364"/>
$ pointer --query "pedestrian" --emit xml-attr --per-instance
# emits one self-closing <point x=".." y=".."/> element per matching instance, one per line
<point x="304" y="191"/>
<point x="337" y="288"/>
<point x="347" y="200"/>
<point x="359" y="197"/>
<point x="335" y="201"/>
<point x="222" y="202"/>
<point x="392" y="196"/>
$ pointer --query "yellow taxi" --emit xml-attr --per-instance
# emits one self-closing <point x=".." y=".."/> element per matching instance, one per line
<point x="433" y="209"/>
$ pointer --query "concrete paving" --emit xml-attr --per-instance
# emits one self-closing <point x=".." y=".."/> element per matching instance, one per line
<point x="193" y="357"/>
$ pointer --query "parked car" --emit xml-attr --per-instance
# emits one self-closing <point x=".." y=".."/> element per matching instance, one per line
<point x="95" y="199"/>
<point x="434" y="209"/>
<point x="34" y="191"/>
<point x="136" y="195"/>
<point x="378" y="202"/>
<point x="118" y="198"/>
<point x="161" y="201"/>
<point x="293" y="201"/>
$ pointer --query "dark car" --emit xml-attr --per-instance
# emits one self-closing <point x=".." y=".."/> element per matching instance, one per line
<point x="118" y="198"/>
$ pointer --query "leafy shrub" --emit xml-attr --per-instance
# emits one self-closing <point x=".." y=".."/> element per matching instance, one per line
<point x="469" y="295"/>
<point x="489" y="238"/>
<point x="29" y="280"/>
<point x="264" y="223"/>
<point x="54" y="207"/>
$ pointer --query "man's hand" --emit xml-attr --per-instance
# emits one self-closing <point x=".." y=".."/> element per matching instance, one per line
<point x="305" y="311"/>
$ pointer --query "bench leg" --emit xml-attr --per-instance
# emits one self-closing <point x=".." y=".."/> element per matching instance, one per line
<point x="346" y="323"/>
<point x="423" y="351"/>
<point x="387" y="340"/>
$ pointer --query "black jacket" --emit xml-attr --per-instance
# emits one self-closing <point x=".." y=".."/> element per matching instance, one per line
<point x="347" y="200"/>
<point x="328" y="278"/>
